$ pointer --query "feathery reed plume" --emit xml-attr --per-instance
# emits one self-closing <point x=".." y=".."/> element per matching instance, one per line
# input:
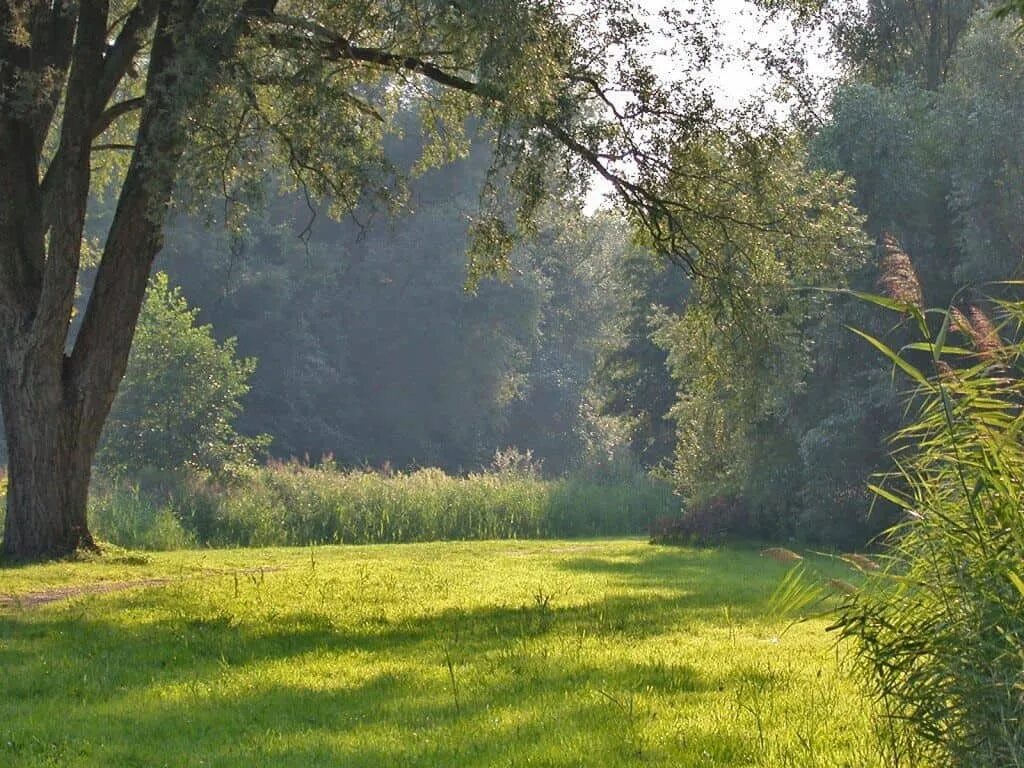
<point x="985" y="337"/>
<point x="862" y="562"/>
<point x="781" y="555"/>
<point x="958" y="322"/>
<point x="898" y="279"/>
<point x="838" y="585"/>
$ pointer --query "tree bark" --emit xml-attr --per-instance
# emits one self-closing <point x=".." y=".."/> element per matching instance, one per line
<point x="55" y="401"/>
<point x="49" y="462"/>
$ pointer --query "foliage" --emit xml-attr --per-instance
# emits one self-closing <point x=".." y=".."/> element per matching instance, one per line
<point x="511" y="462"/>
<point x="1010" y="7"/>
<point x="293" y="504"/>
<point x="601" y="654"/>
<point x="707" y="523"/>
<point x="181" y="394"/>
<point x="939" y="634"/>
<point x="372" y="351"/>
<point x="796" y="419"/>
<point x="632" y="380"/>
<point x="741" y="363"/>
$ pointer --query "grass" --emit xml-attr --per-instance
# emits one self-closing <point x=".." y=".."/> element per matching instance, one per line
<point x="596" y="653"/>
<point x="296" y="505"/>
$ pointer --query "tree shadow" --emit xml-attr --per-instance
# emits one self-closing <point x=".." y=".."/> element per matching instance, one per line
<point x="198" y="681"/>
<point x="707" y="581"/>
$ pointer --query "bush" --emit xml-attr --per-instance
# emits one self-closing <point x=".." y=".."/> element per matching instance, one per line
<point x="179" y="398"/>
<point x="706" y="524"/>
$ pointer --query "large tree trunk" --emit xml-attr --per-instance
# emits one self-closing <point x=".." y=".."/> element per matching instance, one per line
<point x="49" y="461"/>
<point x="56" y="400"/>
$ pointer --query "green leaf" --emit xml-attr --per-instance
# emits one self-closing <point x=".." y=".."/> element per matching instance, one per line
<point x="937" y="351"/>
<point x="1017" y="581"/>
<point x="898" y="361"/>
<point x="889" y="496"/>
<point x="883" y="301"/>
<point x="940" y="340"/>
<point x="795" y="593"/>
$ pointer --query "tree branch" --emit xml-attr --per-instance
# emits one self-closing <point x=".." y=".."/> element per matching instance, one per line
<point x="112" y="113"/>
<point x="65" y="213"/>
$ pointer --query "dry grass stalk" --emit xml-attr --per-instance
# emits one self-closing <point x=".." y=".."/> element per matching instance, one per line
<point x="838" y="585"/>
<point x="959" y="322"/>
<point x="977" y="326"/>
<point x="985" y="337"/>
<point x="862" y="562"/>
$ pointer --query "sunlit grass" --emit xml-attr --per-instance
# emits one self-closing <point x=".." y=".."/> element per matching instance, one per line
<point x="606" y="653"/>
<point x="296" y="505"/>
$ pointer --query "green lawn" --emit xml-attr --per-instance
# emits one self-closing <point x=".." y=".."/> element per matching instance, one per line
<point x="607" y="653"/>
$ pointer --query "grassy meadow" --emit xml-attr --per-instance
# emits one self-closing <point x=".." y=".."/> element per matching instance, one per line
<point x="555" y="653"/>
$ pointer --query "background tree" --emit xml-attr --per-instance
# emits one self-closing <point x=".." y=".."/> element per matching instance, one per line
<point x="181" y="393"/>
<point x="372" y="351"/>
<point x="742" y="364"/>
<point x="632" y="378"/>
<point x="934" y="163"/>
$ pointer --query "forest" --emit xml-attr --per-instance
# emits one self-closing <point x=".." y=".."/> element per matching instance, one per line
<point x="696" y="412"/>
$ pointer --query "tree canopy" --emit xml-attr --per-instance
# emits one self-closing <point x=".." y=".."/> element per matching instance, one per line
<point x="161" y="103"/>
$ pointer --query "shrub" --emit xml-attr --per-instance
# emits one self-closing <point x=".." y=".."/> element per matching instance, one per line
<point x="180" y="396"/>
<point x="705" y="524"/>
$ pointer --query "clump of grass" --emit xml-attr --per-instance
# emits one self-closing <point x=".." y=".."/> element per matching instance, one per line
<point x="123" y="516"/>
<point x="295" y="504"/>
<point x="939" y="630"/>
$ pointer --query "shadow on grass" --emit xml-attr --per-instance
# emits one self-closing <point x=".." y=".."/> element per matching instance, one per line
<point x="309" y="686"/>
<point x="511" y="696"/>
<point x="711" y="579"/>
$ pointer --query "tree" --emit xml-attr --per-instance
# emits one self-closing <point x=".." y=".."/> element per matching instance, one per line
<point x="632" y="379"/>
<point x="371" y="350"/>
<point x="197" y="97"/>
<point x="180" y="396"/>
<point x="741" y="364"/>
<point x="889" y="40"/>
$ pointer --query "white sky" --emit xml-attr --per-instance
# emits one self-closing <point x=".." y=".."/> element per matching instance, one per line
<point x="734" y="78"/>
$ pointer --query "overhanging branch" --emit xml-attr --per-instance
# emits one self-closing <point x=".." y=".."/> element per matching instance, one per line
<point x="654" y="212"/>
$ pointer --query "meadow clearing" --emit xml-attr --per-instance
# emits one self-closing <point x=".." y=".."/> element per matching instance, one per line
<point x="512" y="653"/>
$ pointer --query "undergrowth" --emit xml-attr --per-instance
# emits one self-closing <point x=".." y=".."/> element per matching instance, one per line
<point x="294" y="504"/>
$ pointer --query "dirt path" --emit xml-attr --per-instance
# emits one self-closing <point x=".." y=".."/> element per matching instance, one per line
<point x="46" y="596"/>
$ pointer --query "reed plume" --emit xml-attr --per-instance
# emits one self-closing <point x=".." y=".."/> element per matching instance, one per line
<point x="781" y="555"/>
<point x="862" y="562"/>
<point x="978" y="327"/>
<point x="898" y="279"/>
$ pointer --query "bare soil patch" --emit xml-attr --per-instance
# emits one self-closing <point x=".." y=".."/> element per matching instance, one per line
<point x="46" y="596"/>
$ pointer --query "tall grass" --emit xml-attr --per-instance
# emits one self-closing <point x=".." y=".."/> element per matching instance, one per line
<point x="939" y="633"/>
<point x="293" y="504"/>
